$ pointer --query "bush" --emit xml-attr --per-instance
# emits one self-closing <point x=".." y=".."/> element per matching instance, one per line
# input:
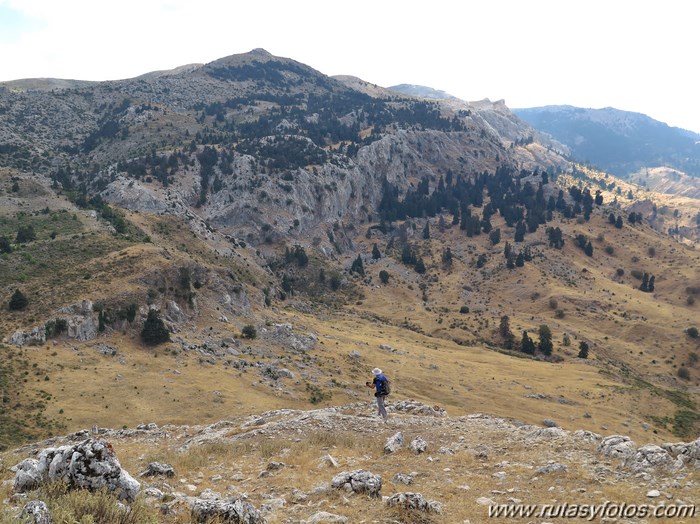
<point x="609" y="250"/>
<point x="18" y="301"/>
<point x="464" y="310"/>
<point x="690" y="300"/>
<point x="683" y="373"/>
<point x="559" y="313"/>
<point x="553" y="304"/>
<point x="637" y="274"/>
<point x="383" y="276"/>
<point x="249" y="331"/>
<point x="692" y="332"/>
<point x="620" y="271"/>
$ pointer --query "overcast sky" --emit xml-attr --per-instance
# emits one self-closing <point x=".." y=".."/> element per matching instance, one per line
<point x="633" y="55"/>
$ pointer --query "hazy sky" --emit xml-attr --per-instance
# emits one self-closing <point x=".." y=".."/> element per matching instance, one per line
<point x="633" y="55"/>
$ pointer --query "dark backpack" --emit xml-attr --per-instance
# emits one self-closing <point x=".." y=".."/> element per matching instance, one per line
<point x="384" y="386"/>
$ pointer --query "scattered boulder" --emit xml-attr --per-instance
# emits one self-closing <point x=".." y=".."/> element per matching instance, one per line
<point x="651" y="457"/>
<point x="417" y="408"/>
<point x="618" y="446"/>
<point x="415" y="501"/>
<point x="232" y="511"/>
<point x="547" y="433"/>
<point x="323" y="517"/>
<point x="553" y="467"/>
<point x="91" y="464"/>
<point x="329" y="461"/>
<point x="549" y="423"/>
<point x="393" y="443"/>
<point x="418" y="445"/>
<point x="156" y="469"/>
<point x="35" y="512"/>
<point x="358" y="481"/>
<point x="403" y="478"/>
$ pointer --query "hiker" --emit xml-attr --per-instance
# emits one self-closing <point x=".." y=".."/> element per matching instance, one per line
<point x="381" y="383"/>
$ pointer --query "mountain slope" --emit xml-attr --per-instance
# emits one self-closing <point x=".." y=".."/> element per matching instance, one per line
<point x="294" y="231"/>
<point x="619" y="142"/>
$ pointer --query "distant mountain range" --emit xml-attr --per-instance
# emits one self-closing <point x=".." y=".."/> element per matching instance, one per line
<point x="620" y="142"/>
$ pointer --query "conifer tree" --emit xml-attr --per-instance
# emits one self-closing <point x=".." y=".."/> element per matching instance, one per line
<point x="583" y="350"/>
<point x="545" y="345"/>
<point x="376" y="255"/>
<point x="527" y="345"/>
<point x="154" y="330"/>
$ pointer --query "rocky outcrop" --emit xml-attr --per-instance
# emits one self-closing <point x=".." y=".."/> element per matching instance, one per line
<point x="358" y="481"/>
<point x="28" y="338"/>
<point x="617" y="446"/>
<point x="233" y="511"/>
<point x="393" y="443"/>
<point x="650" y="457"/>
<point x="415" y="501"/>
<point x="285" y="335"/>
<point x="418" y="445"/>
<point x="91" y="465"/>
<point x="156" y="469"/>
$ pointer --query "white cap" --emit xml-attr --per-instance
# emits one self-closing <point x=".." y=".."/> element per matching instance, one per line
<point x="376" y="371"/>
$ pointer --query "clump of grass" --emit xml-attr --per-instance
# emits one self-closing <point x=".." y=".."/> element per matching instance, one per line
<point x="71" y="506"/>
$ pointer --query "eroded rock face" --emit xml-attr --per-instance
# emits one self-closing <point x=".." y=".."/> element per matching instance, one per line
<point x="91" y="464"/>
<point x="233" y="511"/>
<point x="358" y="481"/>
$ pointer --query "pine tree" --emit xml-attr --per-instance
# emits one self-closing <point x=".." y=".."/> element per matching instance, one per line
<point x="506" y="333"/>
<point x="5" y="246"/>
<point x="519" y="232"/>
<point x="426" y="231"/>
<point x="18" y="301"/>
<point x="651" y="283"/>
<point x="545" y="345"/>
<point x="583" y="350"/>
<point x="154" y="330"/>
<point x="357" y="266"/>
<point x="644" y="286"/>
<point x="420" y="266"/>
<point x="527" y="345"/>
<point x="588" y="249"/>
<point x="376" y="255"/>
<point x="618" y="222"/>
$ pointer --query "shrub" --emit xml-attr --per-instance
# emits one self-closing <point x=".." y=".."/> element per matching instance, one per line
<point x="651" y="251"/>
<point x="637" y="274"/>
<point x="383" y="276"/>
<point x="559" y="313"/>
<point x="692" y="332"/>
<point x="609" y="250"/>
<point x="464" y="310"/>
<point x="249" y="331"/>
<point x="683" y="373"/>
<point x="690" y="300"/>
<point x="620" y="271"/>
<point x="18" y="301"/>
<point x="553" y="303"/>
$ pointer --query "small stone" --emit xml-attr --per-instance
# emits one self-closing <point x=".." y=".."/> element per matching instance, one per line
<point x="485" y="501"/>
<point x="653" y="493"/>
